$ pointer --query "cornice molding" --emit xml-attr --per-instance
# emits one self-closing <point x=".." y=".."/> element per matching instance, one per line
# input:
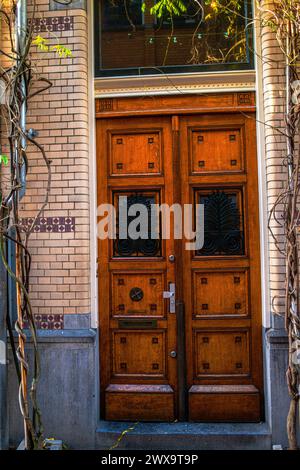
<point x="175" y="84"/>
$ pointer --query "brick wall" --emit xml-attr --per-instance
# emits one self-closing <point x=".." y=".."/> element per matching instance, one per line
<point x="60" y="275"/>
<point x="273" y="84"/>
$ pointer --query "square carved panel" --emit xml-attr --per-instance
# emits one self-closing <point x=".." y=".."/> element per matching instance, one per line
<point x="139" y="353"/>
<point x="138" y="294"/>
<point x="221" y="353"/>
<point x="220" y="293"/>
<point x="216" y="150"/>
<point x="135" y="153"/>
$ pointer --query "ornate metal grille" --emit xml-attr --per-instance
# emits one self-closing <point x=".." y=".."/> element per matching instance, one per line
<point x="223" y="224"/>
<point x="129" y="247"/>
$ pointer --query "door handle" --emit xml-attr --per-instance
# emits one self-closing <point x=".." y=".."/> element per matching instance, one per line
<point x="170" y="294"/>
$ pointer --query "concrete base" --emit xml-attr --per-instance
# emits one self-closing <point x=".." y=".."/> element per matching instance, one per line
<point x="184" y="436"/>
<point x="279" y="402"/>
<point x="67" y="390"/>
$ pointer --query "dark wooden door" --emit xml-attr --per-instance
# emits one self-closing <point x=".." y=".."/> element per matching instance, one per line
<point x="222" y="280"/>
<point x="203" y="362"/>
<point x="137" y="332"/>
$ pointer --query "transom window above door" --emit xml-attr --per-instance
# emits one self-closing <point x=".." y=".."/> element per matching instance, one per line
<point x="140" y="37"/>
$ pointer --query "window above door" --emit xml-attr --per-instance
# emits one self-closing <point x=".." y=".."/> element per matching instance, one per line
<point x="132" y="38"/>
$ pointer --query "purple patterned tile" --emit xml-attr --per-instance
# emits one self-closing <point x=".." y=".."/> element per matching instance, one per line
<point x="50" y="224"/>
<point x="52" y="24"/>
<point x="49" y="322"/>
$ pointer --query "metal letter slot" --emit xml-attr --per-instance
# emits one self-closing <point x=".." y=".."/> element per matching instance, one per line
<point x="170" y="294"/>
<point x="137" y="324"/>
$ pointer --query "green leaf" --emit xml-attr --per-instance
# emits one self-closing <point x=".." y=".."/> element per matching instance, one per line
<point x="62" y="51"/>
<point x="168" y="7"/>
<point x="3" y="159"/>
<point x="40" y="43"/>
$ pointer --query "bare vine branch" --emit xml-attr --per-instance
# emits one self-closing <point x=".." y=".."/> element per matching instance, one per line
<point x="19" y="77"/>
<point x="283" y="19"/>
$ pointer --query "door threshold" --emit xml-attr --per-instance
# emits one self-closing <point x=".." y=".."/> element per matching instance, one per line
<point x="184" y="436"/>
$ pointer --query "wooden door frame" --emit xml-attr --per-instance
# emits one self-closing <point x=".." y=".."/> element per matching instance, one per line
<point x="217" y="103"/>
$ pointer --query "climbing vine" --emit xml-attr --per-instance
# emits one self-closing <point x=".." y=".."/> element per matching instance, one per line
<point x="20" y="82"/>
<point x="282" y="17"/>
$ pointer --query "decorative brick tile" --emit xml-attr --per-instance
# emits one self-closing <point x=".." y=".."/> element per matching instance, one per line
<point x="50" y="224"/>
<point x="53" y="24"/>
<point x="49" y="322"/>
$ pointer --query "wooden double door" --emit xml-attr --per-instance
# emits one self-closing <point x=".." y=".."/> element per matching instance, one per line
<point x="180" y="330"/>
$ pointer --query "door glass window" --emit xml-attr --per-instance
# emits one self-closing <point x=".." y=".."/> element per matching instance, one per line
<point x="223" y="223"/>
<point x="145" y="245"/>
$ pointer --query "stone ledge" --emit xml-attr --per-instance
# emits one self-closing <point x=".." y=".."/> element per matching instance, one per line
<point x="185" y="436"/>
<point x="276" y="336"/>
<point x="63" y="336"/>
<point x="77" y="321"/>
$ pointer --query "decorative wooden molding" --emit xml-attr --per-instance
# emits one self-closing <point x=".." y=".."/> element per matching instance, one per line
<point x="174" y="104"/>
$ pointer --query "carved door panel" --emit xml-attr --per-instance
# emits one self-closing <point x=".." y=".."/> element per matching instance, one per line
<point x="137" y="332"/>
<point x="222" y="280"/>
